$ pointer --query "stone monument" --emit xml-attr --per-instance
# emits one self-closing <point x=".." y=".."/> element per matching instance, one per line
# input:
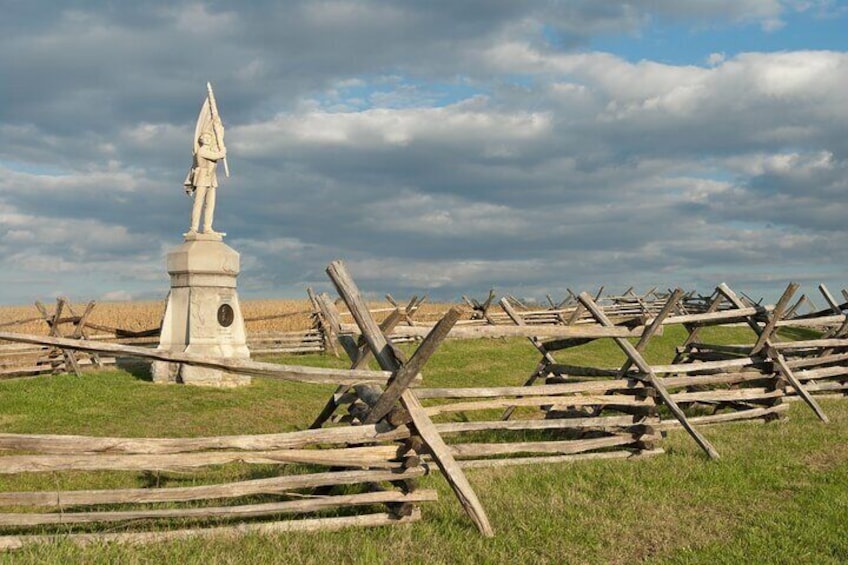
<point x="203" y="314"/>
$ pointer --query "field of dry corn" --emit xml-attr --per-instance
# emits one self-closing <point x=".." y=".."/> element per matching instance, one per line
<point x="269" y="315"/>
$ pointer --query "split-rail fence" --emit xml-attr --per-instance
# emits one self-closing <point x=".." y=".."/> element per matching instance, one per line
<point x="381" y="429"/>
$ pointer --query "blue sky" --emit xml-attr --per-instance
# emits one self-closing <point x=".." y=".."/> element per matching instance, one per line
<point x="442" y="148"/>
<point x="692" y="43"/>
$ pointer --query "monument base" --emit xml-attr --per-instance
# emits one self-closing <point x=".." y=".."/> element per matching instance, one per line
<point x="203" y="316"/>
<point x="177" y="373"/>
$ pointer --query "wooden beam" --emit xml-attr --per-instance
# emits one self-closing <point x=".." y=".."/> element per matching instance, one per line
<point x="53" y="323"/>
<point x="586" y="331"/>
<point x="557" y="459"/>
<point x="334" y="320"/>
<point x="328" y="336"/>
<point x="573" y="446"/>
<point x="834" y="305"/>
<point x="51" y="444"/>
<point x="654" y="326"/>
<point x="650" y="377"/>
<point x="713" y="306"/>
<point x="802" y="391"/>
<point x="424" y="426"/>
<point x="547" y="358"/>
<point x="370" y="456"/>
<point x="241" y="366"/>
<point x="582" y="387"/>
<point x="271" y="485"/>
<point x="813" y="322"/>
<point x="241" y="511"/>
<point x="711" y="318"/>
<point x="80" y="329"/>
<point x="767" y="332"/>
<point x="221" y="532"/>
<point x="764" y="336"/>
<point x="627" y="400"/>
<point x="407" y="373"/>
<point x="359" y="355"/>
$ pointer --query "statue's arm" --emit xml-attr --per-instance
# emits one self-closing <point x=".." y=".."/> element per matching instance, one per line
<point x="211" y="154"/>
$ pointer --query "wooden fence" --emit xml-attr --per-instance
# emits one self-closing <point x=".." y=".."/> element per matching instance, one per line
<point x="382" y="429"/>
<point x="709" y="383"/>
<point x="25" y="360"/>
<point x="18" y="360"/>
<point x="375" y="463"/>
<point x="590" y="412"/>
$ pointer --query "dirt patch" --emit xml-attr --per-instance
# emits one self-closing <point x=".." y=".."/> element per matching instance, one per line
<point x="827" y="459"/>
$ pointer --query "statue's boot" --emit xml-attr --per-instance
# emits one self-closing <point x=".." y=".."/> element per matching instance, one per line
<point x="210" y="231"/>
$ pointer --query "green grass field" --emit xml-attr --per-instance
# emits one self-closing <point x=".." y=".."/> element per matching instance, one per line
<point x="778" y="495"/>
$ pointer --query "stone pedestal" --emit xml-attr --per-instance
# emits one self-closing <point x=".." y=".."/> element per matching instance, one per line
<point x="203" y="314"/>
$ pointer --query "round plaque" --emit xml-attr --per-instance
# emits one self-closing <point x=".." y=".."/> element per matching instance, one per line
<point x="226" y="315"/>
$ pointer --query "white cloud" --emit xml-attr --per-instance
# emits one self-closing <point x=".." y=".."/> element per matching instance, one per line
<point x="457" y="148"/>
<point x="114" y="178"/>
<point x="117" y="296"/>
<point x="716" y="59"/>
<point x="197" y="20"/>
<point x="444" y="216"/>
<point x="431" y="275"/>
<point x="455" y="124"/>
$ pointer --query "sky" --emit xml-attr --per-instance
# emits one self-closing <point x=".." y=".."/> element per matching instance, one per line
<point x="441" y="147"/>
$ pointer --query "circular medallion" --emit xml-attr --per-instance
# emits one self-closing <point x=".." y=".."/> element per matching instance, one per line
<point x="226" y="315"/>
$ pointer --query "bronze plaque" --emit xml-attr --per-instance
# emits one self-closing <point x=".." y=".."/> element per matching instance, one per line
<point x="226" y="316"/>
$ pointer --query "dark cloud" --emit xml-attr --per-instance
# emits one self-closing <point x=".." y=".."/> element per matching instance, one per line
<point x="446" y="147"/>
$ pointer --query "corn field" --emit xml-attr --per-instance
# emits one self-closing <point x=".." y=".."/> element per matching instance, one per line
<point x="266" y="315"/>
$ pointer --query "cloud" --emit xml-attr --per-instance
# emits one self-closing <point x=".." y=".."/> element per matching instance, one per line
<point x="451" y="148"/>
<point x="468" y="122"/>
<point x="117" y="296"/>
<point x="715" y="59"/>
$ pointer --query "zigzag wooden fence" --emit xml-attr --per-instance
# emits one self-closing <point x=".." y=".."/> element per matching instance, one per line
<point x="363" y="459"/>
<point x="707" y="383"/>
<point x="394" y="426"/>
<point x="26" y="360"/>
<point x="618" y="411"/>
<point x="376" y="462"/>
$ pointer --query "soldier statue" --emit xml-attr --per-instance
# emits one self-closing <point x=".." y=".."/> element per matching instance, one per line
<point x="202" y="179"/>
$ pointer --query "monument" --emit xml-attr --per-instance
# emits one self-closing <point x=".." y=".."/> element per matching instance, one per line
<point x="203" y="314"/>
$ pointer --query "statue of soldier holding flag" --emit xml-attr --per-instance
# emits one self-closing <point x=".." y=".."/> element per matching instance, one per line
<point x="202" y="179"/>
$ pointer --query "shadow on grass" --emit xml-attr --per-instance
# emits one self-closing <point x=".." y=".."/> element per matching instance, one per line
<point x="798" y="334"/>
<point x="136" y="367"/>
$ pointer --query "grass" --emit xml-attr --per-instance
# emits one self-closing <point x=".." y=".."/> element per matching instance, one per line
<point x="778" y="495"/>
